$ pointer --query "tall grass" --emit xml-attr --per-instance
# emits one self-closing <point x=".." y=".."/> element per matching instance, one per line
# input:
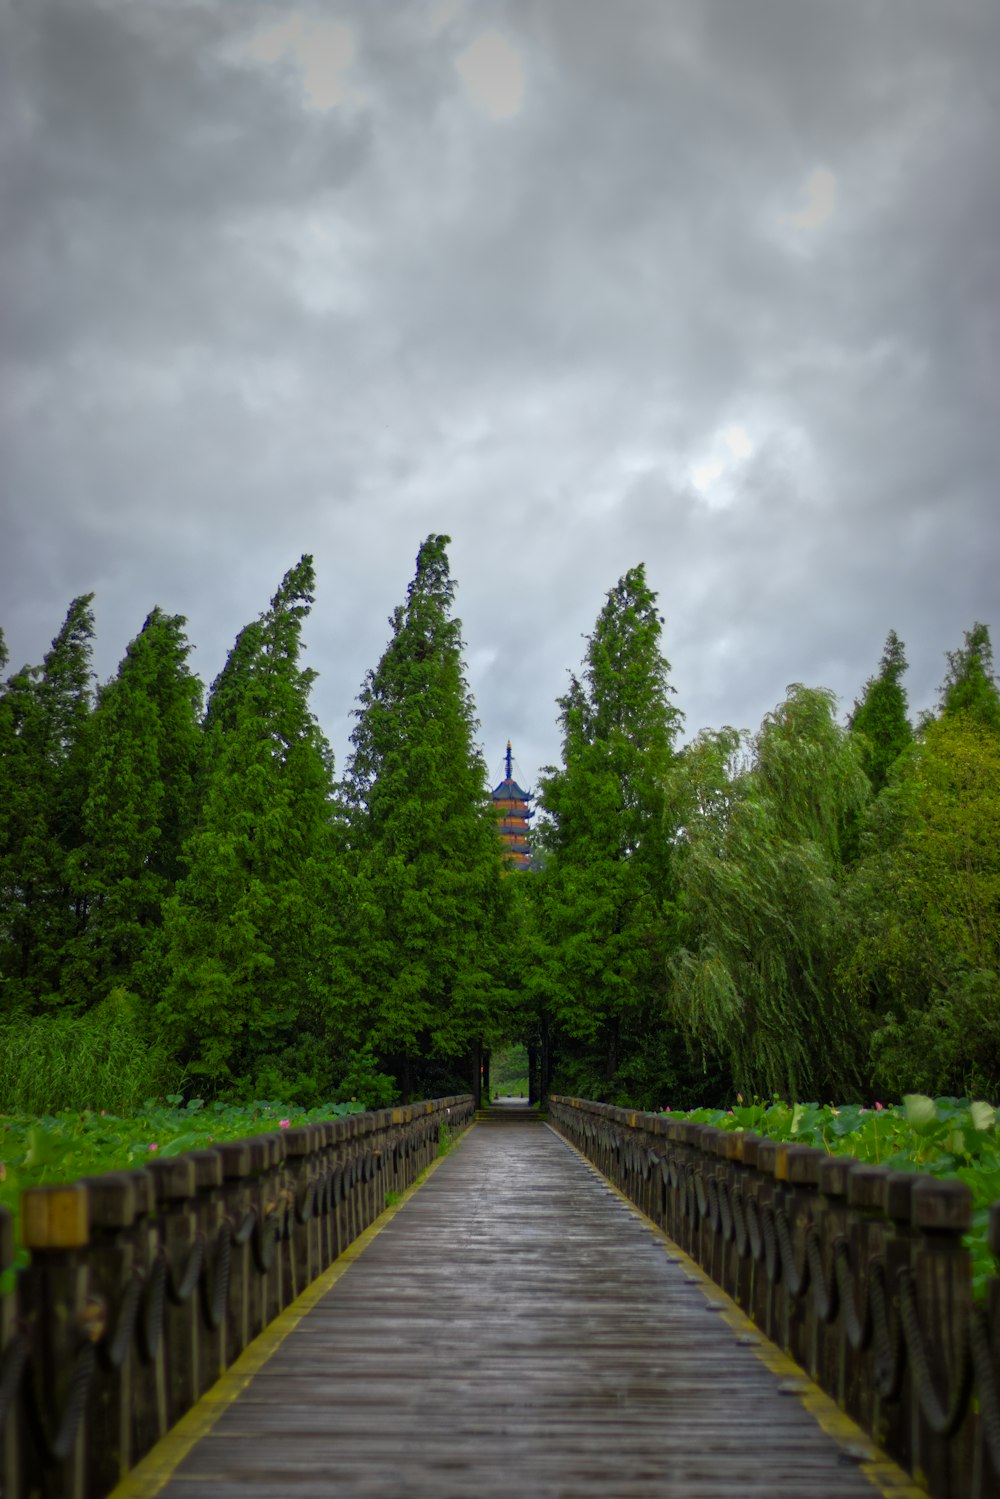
<point x="102" y="1059"/>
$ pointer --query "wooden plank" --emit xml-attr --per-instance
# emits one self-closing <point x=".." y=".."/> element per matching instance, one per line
<point x="518" y="1329"/>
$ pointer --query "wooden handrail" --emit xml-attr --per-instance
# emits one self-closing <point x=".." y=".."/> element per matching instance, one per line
<point x="144" y="1286"/>
<point x="858" y="1272"/>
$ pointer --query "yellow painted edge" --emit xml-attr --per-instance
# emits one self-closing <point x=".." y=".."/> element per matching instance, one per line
<point x="891" y="1481"/>
<point x="153" y="1472"/>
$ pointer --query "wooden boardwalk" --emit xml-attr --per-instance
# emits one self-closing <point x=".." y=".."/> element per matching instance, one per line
<point x="517" y="1329"/>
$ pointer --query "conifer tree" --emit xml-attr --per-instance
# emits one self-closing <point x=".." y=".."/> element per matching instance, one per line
<point x="880" y="719"/>
<point x="145" y="740"/>
<point x="44" y="714"/>
<point x="608" y="891"/>
<point x="428" y="924"/>
<point x="246" y="961"/>
<point x="971" y="685"/>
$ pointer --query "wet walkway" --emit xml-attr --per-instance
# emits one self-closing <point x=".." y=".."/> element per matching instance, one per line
<point x="517" y="1329"/>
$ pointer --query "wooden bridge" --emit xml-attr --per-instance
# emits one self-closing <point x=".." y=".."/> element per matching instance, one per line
<point x="512" y="1325"/>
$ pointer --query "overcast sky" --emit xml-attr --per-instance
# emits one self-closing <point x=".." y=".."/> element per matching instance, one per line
<point x="712" y="286"/>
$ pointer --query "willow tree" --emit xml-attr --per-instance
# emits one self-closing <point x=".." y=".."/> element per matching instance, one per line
<point x="427" y="924"/>
<point x="247" y="958"/>
<point x="762" y="877"/>
<point x="607" y="892"/>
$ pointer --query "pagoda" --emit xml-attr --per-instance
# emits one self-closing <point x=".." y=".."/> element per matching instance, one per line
<point x="513" y="809"/>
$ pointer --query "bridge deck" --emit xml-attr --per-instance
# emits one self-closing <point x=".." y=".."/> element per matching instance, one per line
<point x="516" y="1328"/>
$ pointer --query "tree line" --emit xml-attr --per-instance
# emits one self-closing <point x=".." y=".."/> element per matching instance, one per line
<point x="811" y="910"/>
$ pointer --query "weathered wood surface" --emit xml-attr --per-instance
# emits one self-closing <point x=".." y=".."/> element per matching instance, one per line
<point x="516" y="1329"/>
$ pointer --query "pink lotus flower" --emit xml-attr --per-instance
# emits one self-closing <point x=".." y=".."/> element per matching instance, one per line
<point x="153" y="1145"/>
<point x="878" y="1105"/>
<point x="284" y="1123"/>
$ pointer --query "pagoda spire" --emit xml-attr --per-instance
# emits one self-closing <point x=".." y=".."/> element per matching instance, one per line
<point x="512" y="806"/>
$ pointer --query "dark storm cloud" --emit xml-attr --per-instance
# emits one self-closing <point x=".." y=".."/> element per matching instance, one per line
<point x="713" y="287"/>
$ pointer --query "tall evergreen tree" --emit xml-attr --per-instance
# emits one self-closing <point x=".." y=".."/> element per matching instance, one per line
<point x="880" y="718"/>
<point x="44" y="716"/>
<point x="145" y="741"/>
<point x="608" y="885"/>
<point x="428" y="924"/>
<point x="246" y="960"/>
<point x="971" y="684"/>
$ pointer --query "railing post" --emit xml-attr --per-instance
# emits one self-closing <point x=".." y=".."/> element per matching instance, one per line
<point x="235" y="1159"/>
<point x="766" y="1292"/>
<point x="55" y="1295"/>
<point x="117" y="1280"/>
<point x="942" y="1292"/>
<point x="833" y="1352"/>
<point x="987" y="1453"/>
<point x="299" y="1266"/>
<point x="658" y="1181"/>
<point x="12" y="1356"/>
<point x="801" y="1201"/>
<point x="175" y="1189"/>
<point x="323" y="1217"/>
<point x="865" y="1198"/>
<point x="737" y="1254"/>
<point x="891" y="1416"/>
<point x="209" y="1212"/>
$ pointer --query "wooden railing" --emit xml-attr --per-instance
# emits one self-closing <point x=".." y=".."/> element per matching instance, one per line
<point x="858" y="1272"/>
<point x="144" y="1286"/>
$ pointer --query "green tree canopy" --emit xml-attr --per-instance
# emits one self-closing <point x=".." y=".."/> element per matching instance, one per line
<point x="428" y="923"/>
<point x="761" y="877"/>
<point x="607" y="886"/>
<point x="145" y="741"/>
<point x="880" y="718"/>
<point x="44" y="716"/>
<point x="971" y="685"/>
<point x="247" y="959"/>
<point x="925" y="900"/>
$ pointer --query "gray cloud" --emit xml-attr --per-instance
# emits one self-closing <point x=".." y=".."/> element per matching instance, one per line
<point x="721" y="295"/>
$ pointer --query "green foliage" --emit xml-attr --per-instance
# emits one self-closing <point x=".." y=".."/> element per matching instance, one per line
<point x="363" y="1078"/>
<point x="945" y="1137"/>
<point x="880" y="719"/>
<point x="761" y="876"/>
<point x="509" y="1070"/>
<point x="971" y="685"/>
<point x="44" y="716"/>
<point x="606" y="893"/>
<point x="246" y="960"/>
<point x="144" y="745"/>
<point x="104" y="1059"/>
<point x="925" y="903"/>
<point x="426" y="924"/>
